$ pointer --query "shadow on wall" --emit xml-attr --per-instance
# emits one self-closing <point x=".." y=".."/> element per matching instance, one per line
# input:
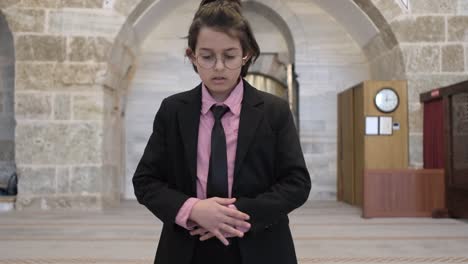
<point x="7" y="117"/>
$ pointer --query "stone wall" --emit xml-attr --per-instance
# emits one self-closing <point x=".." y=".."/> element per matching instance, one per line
<point x="430" y="52"/>
<point x="61" y="50"/>
<point x="76" y="59"/>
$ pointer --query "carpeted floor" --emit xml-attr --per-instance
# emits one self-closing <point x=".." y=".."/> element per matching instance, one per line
<point x="324" y="232"/>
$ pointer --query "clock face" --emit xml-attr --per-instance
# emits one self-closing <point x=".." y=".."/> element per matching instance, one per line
<point x="386" y="100"/>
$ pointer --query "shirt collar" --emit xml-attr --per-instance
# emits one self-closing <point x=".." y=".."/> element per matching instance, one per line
<point x="233" y="101"/>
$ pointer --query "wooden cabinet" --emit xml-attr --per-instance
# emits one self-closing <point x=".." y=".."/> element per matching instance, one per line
<point x="358" y="151"/>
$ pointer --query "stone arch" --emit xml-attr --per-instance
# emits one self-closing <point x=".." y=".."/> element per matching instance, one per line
<point x="147" y="13"/>
<point x="383" y="51"/>
<point x="7" y="87"/>
<point x="270" y="63"/>
<point x="124" y="59"/>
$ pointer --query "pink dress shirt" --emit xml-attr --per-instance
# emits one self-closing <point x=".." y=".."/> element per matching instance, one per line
<point x="230" y="122"/>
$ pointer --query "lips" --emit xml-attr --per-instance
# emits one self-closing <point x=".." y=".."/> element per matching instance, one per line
<point x="219" y="80"/>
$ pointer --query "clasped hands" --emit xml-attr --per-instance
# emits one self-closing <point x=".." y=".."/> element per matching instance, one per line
<point x="217" y="217"/>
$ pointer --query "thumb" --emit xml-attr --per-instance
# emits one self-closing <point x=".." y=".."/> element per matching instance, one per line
<point x="224" y="201"/>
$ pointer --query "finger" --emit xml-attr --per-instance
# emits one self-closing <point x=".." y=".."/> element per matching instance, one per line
<point x="235" y="222"/>
<point x="231" y="231"/>
<point x="220" y="237"/>
<point x="206" y="236"/>
<point x="224" y="201"/>
<point x="235" y="213"/>
<point x="198" y="231"/>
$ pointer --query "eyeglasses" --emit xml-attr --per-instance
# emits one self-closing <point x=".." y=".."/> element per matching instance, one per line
<point x="232" y="62"/>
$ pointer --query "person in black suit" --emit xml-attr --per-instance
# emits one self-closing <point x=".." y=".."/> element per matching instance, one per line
<point x="223" y="166"/>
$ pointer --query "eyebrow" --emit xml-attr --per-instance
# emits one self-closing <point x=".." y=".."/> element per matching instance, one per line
<point x="230" y="49"/>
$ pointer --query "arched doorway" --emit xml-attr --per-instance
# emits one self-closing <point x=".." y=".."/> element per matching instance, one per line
<point x="319" y="79"/>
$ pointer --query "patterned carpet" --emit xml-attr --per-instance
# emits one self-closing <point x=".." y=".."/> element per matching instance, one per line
<point x="324" y="232"/>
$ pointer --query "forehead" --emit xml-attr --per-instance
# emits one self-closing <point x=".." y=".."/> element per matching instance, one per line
<point x="216" y="40"/>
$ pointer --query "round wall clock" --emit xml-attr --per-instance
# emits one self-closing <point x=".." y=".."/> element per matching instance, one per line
<point x="386" y="100"/>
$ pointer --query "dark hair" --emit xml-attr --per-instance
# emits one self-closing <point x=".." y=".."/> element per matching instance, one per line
<point x="225" y="16"/>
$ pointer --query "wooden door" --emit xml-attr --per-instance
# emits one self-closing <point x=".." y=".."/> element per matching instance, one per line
<point x="346" y="147"/>
<point x="457" y="165"/>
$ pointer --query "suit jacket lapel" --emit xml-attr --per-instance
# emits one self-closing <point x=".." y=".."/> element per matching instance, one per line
<point x="250" y="117"/>
<point x="189" y="119"/>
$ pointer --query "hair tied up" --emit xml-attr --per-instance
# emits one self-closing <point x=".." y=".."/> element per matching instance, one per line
<point x="236" y="2"/>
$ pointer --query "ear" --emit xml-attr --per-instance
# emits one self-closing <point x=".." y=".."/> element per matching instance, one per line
<point x="246" y="58"/>
<point x="191" y="55"/>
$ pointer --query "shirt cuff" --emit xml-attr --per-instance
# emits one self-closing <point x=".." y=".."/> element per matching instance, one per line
<point x="182" y="217"/>
<point x="242" y="229"/>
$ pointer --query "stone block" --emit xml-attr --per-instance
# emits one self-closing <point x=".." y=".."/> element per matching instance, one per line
<point x="415" y="115"/>
<point x="420" y="29"/>
<point x="83" y="144"/>
<point x="372" y="12"/>
<point x="67" y="75"/>
<point x="388" y="37"/>
<point x="57" y="202"/>
<point x="86" y="180"/>
<point x="63" y="180"/>
<point x="62" y="107"/>
<point x="453" y="58"/>
<point x="317" y="147"/>
<point x="7" y="150"/>
<point x="89" y="49"/>
<point x="25" y="20"/>
<point x="62" y="144"/>
<point x="59" y="77"/>
<point x="374" y="48"/>
<point x="80" y="3"/>
<point x="36" y="143"/>
<point x="39" y="3"/>
<point x="420" y="59"/>
<point x="88" y="107"/>
<point x="389" y="9"/>
<point x="420" y="83"/>
<point x="433" y="6"/>
<point x="36" y="181"/>
<point x="389" y="66"/>
<point x="416" y="150"/>
<point x="37" y="76"/>
<point x="40" y="48"/>
<point x="462" y="7"/>
<point x="33" y="106"/>
<point x="91" y="22"/>
<point x="126" y="7"/>
<point x="8" y="3"/>
<point x="325" y="104"/>
<point x="458" y="28"/>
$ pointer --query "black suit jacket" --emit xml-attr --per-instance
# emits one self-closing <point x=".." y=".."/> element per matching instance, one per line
<point x="270" y="175"/>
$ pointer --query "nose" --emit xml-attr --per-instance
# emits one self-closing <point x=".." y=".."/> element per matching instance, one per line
<point x="219" y="64"/>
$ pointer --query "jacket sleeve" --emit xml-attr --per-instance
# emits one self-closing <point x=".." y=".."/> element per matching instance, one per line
<point x="150" y="180"/>
<point x="292" y="186"/>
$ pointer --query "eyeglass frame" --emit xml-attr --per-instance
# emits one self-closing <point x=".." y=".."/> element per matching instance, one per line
<point x="223" y="60"/>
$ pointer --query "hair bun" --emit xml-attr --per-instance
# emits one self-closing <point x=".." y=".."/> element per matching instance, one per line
<point x="205" y="2"/>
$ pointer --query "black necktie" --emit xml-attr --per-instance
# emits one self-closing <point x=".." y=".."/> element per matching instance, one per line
<point x="217" y="185"/>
